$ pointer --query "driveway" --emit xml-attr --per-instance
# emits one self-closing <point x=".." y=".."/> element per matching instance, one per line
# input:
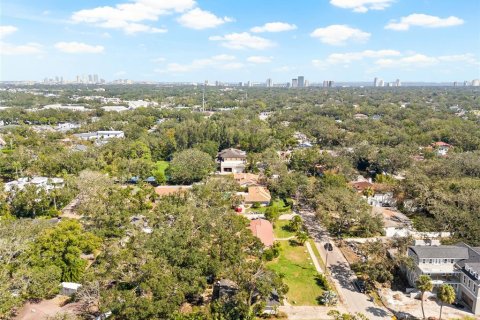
<point x="340" y="271"/>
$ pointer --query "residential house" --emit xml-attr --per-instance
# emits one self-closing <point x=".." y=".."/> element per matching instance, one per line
<point x="114" y="108"/>
<point x="256" y="194"/>
<point x="263" y="230"/>
<point x="360" y="116"/>
<point x="457" y="265"/>
<point x="395" y="223"/>
<point x="224" y="289"/>
<point x="441" y="148"/>
<point x="40" y="182"/>
<point x="163" y="191"/>
<point x="100" y="135"/>
<point x="246" y="179"/>
<point x="377" y="194"/>
<point x="232" y="160"/>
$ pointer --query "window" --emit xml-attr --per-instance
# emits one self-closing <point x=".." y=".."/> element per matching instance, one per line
<point x="430" y="261"/>
<point x="445" y="261"/>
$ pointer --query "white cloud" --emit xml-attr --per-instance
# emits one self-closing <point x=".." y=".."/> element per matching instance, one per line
<point x="78" y="47"/>
<point x="339" y="34"/>
<point x="284" y="69"/>
<point x="12" y="49"/>
<point x="243" y="40"/>
<point x="362" y="5"/>
<point x="423" y="20"/>
<point x="348" y="57"/>
<point x="8" y="49"/>
<point x="259" y="59"/>
<point x="418" y="60"/>
<point x="127" y="16"/>
<point x="274" y="27"/>
<point x="6" y="31"/>
<point x="200" y="19"/>
<point x="159" y="60"/>
<point x="222" y="61"/>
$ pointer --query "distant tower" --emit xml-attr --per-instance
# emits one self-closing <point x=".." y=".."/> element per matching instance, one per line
<point x="455" y="83"/>
<point x="269" y="83"/>
<point x="294" y="83"/>
<point x="95" y="78"/>
<point x="476" y="82"/>
<point x="301" y="81"/>
<point x="90" y="78"/>
<point x="398" y="83"/>
<point x="381" y="83"/>
<point x="375" y="82"/>
<point x="465" y="83"/>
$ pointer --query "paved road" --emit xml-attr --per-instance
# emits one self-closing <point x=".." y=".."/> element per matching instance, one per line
<point x="341" y="273"/>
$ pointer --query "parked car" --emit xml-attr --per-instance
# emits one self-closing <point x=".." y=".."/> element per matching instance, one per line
<point x="458" y="305"/>
<point x="360" y="285"/>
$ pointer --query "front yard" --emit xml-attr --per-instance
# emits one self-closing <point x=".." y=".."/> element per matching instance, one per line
<point x="280" y="229"/>
<point x="299" y="274"/>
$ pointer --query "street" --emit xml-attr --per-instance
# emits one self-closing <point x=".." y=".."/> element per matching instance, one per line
<point x="340" y="271"/>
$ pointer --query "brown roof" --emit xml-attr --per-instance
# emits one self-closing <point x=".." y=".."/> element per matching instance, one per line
<point x="441" y="144"/>
<point x="257" y="194"/>
<point x="263" y="230"/>
<point x="168" y="190"/>
<point x="248" y="179"/>
<point x="361" y="185"/>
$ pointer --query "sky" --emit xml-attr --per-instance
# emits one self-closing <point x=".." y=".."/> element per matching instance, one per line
<point x="248" y="40"/>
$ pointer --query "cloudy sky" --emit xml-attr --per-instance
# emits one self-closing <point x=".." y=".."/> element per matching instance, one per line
<point x="195" y="40"/>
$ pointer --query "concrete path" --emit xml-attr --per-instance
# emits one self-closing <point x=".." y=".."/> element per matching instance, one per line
<point x="314" y="257"/>
<point x="309" y="312"/>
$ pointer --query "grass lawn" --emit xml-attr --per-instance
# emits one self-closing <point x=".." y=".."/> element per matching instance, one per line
<point x="280" y="230"/>
<point x="275" y="203"/>
<point x="317" y="254"/>
<point x="295" y="264"/>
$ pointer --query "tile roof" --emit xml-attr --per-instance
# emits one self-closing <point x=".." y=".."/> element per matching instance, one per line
<point x="263" y="230"/>
<point x="248" y="179"/>
<point x="168" y="190"/>
<point x="257" y="194"/>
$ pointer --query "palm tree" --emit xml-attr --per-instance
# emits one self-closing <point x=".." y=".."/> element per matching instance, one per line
<point x="302" y="237"/>
<point x="446" y="294"/>
<point x="424" y="284"/>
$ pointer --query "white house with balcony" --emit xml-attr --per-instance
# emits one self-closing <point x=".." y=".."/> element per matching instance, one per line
<point x="232" y="161"/>
<point x="457" y="265"/>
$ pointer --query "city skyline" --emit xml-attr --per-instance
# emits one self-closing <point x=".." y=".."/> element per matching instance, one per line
<point x="190" y="41"/>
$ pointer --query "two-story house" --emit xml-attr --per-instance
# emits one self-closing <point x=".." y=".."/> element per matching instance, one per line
<point x="232" y="160"/>
<point x="457" y="265"/>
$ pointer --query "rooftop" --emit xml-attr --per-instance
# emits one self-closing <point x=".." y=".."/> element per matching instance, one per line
<point x="440" y="252"/>
<point x="257" y="194"/>
<point x="263" y="230"/>
<point x="232" y="153"/>
<point x="169" y="190"/>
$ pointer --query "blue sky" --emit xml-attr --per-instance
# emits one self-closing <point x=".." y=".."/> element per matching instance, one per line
<point x="188" y="40"/>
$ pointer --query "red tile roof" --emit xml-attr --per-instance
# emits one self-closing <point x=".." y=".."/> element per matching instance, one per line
<point x="168" y="190"/>
<point x="263" y="230"/>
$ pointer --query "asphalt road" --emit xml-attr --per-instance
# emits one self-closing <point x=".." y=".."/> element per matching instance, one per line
<point x="340" y="271"/>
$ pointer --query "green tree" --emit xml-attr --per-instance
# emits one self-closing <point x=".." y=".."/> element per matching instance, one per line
<point x="446" y="294"/>
<point x="301" y="237"/>
<point x="62" y="246"/>
<point x="424" y="284"/>
<point x="190" y="166"/>
<point x="295" y="224"/>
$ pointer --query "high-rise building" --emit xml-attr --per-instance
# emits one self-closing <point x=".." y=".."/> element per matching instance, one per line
<point x="380" y="83"/>
<point x="95" y="78"/>
<point x="375" y="82"/>
<point x="328" y="83"/>
<point x="476" y="82"/>
<point x="398" y="83"/>
<point x="465" y="83"/>
<point x="301" y="81"/>
<point x="90" y="78"/>
<point x="455" y="83"/>
<point x="295" y="83"/>
<point x="269" y="83"/>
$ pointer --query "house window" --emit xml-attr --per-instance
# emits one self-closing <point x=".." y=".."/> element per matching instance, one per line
<point x="451" y="260"/>
<point x="430" y="261"/>
<point x="445" y="261"/>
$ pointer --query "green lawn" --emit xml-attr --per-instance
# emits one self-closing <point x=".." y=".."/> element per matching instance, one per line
<point x="275" y="203"/>
<point x="280" y="230"/>
<point x="295" y="264"/>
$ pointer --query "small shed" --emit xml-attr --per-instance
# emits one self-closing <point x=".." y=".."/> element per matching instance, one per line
<point x="69" y="288"/>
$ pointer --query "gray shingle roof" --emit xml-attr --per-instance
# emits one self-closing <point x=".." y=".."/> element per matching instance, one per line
<point x="232" y="153"/>
<point x="445" y="252"/>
